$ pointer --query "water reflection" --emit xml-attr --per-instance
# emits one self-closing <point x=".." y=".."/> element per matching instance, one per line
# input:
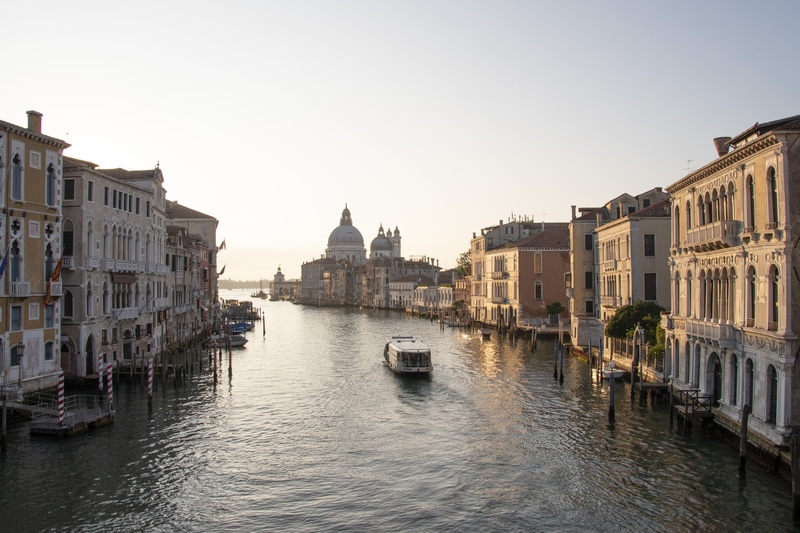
<point x="311" y="431"/>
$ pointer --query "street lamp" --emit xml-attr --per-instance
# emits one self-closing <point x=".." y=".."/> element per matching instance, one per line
<point x="20" y="352"/>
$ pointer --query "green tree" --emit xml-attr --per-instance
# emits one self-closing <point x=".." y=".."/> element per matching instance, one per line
<point x="464" y="263"/>
<point x="628" y="317"/>
<point x="554" y="308"/>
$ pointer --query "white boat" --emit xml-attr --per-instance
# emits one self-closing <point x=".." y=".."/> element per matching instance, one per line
<point x="407" y="355"/>
<point x="237" y="341"/>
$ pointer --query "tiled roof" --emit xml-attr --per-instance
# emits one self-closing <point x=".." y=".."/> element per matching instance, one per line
<point x="549" y="238"/>
<point x="658" y="209"/>
<point x="788" y="123"/>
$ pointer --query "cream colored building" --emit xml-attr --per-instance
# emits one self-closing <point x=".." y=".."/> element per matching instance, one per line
<point x="30" y="245"/>
<point x="604" y="276"/>
<point x="732" y="333"/>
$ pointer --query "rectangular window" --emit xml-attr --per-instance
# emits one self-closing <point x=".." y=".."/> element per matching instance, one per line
<point x="48" y="351"/>
<point x="114" y="199"/>
<point x="33" y="311"/>
<point x="90" y="191"/>
<point x="16" y="318"/>
<point x="105" y="196"/>
<point x="588" y="280"/>
<point x="645" y="203"/>
<point x="147" y="209"/>
<point x="69" y="189"/>
<point x="587" y="241"/>
<point x="649" y="245"/>
<point x="50" y="316"/>
<point x="650" y="293"/>
<point x="589" y="307"/>
<point x="137" y="205"/>
<point x="36" y="160"/>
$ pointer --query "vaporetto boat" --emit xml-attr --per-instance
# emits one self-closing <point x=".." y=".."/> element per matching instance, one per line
<point x="407" y="355"/>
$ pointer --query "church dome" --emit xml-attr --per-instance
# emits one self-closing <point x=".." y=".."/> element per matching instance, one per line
<point x="345" y="233"/>
<point x="381" y="243"/>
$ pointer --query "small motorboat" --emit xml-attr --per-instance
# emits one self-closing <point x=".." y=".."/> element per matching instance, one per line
<point x="235" y="340"/>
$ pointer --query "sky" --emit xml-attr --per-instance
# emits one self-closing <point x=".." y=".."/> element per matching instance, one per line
<point x="436" y="117"/>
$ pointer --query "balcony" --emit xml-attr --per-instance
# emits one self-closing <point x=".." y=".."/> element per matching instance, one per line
<point x="500" y="275"/>
<point x="720" y="234"/>
<point x="55" y="289"/>
<point x="68" y="262"/>
<point x="499" y="300"/>
<point x="611" y="301"/>
<point x="608" y="266"/>
<point x="20" y="289"/>
<point x="92" y="263"/>
<point x="713" y="332"/>
<point x="125" y="313"/>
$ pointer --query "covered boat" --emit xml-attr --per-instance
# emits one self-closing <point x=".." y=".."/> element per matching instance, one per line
<point x="407" y="355"/>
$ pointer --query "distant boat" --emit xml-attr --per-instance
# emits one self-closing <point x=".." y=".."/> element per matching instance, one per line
<point x="486" y="334"/>
<point x="407" y="355"/>
<point x="260" y="294"/>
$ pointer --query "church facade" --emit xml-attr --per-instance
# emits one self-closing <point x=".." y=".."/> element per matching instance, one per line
<point x="347" y="275"/>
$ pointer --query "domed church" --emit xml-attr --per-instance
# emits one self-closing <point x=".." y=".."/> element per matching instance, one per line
<point x="345" y="242"/>
<point x="385" y="244"/>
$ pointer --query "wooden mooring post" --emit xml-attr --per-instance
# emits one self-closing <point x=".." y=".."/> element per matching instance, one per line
<point x="743" y="440"/>
<point x="795" y="449"/>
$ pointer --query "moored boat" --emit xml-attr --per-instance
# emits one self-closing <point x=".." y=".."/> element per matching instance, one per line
<point x="407" y="355"/>
<point x="236" y="340"/>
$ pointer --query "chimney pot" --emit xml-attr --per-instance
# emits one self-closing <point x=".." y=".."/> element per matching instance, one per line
<point x="35" y="121"/>
<point x="721" y="144"/>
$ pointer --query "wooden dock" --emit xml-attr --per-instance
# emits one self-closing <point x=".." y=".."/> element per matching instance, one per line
<point x="81" y="413"/>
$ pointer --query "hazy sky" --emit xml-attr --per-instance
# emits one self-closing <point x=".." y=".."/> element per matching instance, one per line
<point x="438" y="117"/>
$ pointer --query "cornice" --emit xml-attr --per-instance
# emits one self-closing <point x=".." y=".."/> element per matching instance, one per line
<point x="34" y="136"/>
<point x="725" y="162"/>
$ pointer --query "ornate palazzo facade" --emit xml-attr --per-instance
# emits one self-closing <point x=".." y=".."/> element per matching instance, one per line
<point x="732" y="331"/>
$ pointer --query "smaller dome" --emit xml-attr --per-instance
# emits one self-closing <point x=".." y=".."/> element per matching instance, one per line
<point x="381" y="243"/>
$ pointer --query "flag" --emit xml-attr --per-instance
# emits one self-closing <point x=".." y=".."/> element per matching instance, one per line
<point x="4" y="263"/>
<point x="222" y="245"/>
<point x="55" y="276"/>
<point x="221" y="272"/>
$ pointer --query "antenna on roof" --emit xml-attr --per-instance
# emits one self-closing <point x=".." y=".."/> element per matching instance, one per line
<point x="688" y="165"/>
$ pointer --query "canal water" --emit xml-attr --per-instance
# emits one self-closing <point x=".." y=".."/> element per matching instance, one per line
<point x="305" y="429"/>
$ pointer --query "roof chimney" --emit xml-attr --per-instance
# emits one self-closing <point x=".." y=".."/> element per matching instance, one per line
<point x="573" y="212"/>
<point x="721" y="144"/>
<point x="35" y="121"/>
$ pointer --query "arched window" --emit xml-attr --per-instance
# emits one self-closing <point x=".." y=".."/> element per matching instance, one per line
<point x="537" y="263"/>
<point x="676" y="295"/>
<point x="731" y="210"/>
<point x="701" y="211"/>
<point x="50" y="185"/>
<point x="49" y="352"/>
<point x="774" y="297"/>
<point x="751" y="297"/>
<point x="723" y="204"/>
<point x="677" y="364"/>
<point x="772" y="394"/>
<point x="688" y="215"/>
<point x="538" y="290"/>
<point x="734" y="392"/>
<point x="689" y="294"/>
<point x="687" y="361"/>
<point x="16" y="261"/>
<point x="67" y="307"/>
<point x="703" y="294"/>
<point x="773" y="198"/>
<point x="676" y="237"/>
<point x="749" y="375"/>
<point x="17" y="176"/>
<point x="750" y="221"/>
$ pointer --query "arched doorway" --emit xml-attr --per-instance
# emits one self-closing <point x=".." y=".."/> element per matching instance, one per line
<point x="772" y="394"/>
<point x="91" y="359"/>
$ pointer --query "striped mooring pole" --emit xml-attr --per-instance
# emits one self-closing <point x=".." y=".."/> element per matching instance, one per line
<point x="61" y="398"/>
<point x="150" y="383"/>
<point x="100" y="368"/>
<point x="110" y="386"/>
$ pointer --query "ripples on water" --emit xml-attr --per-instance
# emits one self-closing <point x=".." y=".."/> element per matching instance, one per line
<point x="309" y="431"/>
